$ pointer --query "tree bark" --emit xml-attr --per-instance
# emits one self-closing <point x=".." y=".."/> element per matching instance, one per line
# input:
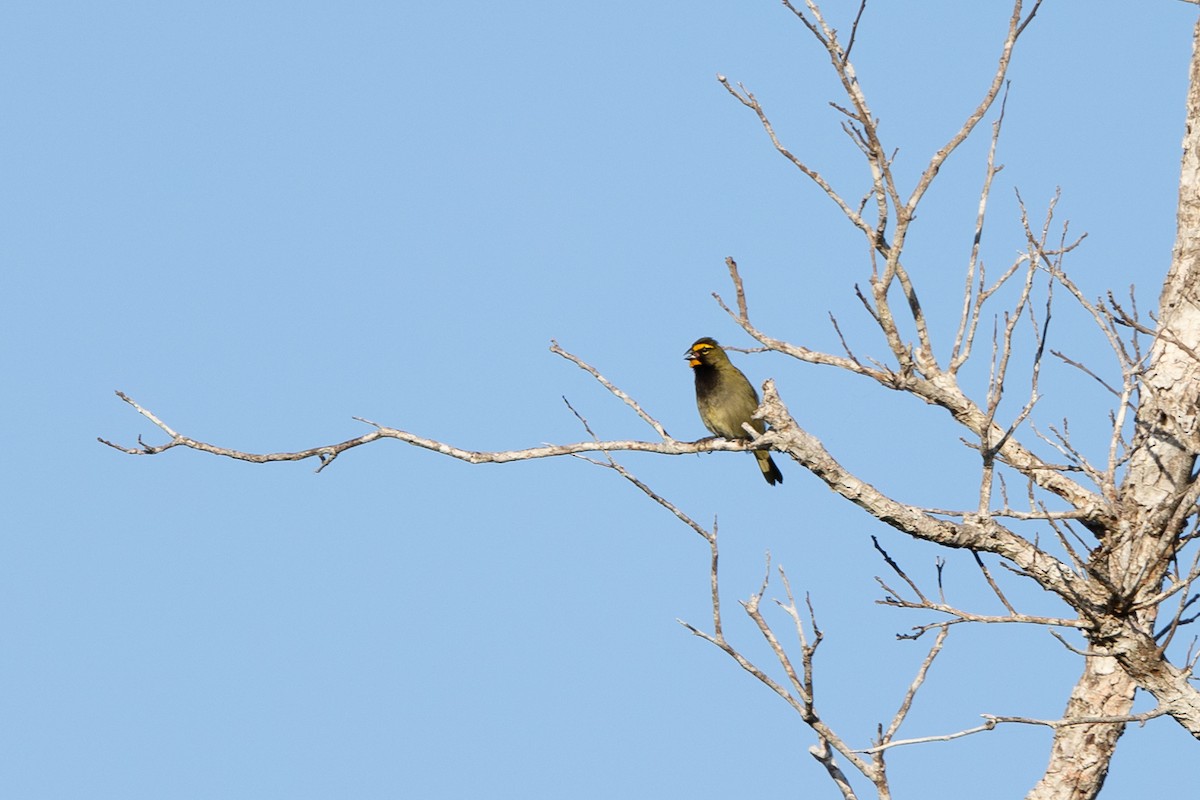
<point x="1080" y="754"/>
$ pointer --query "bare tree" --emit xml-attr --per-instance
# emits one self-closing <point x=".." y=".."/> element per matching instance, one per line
<point x="1106" y="539"/>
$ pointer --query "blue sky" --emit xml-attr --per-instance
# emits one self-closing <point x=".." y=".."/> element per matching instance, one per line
<point x="263" y="219"/>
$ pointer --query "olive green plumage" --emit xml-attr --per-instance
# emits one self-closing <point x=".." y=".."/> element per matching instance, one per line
<point x="726" y="399"/>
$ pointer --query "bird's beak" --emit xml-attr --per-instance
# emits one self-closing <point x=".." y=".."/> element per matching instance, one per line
<point x="691" y="358"/>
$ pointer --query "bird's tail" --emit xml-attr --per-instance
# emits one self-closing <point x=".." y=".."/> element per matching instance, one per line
<point x="770" y="472"/>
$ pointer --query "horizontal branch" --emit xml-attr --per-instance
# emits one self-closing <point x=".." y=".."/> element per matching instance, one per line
<point x="327" y="453"/>
<point x="967" y="616"/>
<point x="991" y="721"/>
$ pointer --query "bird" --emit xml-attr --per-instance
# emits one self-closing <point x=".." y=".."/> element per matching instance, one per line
<point x="726" y="399"/>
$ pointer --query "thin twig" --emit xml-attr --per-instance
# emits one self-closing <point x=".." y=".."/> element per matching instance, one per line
<point x="993" y="720"/>
<point x="625" y="398"/>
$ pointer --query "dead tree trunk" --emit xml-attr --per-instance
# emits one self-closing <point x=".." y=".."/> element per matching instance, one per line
<point x="1153" y="500"/>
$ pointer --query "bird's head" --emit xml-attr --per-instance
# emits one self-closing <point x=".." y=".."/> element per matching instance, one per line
<point x="705" y="352"/>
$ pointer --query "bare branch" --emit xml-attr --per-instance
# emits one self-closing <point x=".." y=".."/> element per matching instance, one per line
<point x="993" y="721"/>
<point x="629" y="401"/>
<point x="967" y="616"/>
<point x="739" y="288"/>
<point x="894" y="599"/>
<point x="328" y="452"/>
<point x="803" y="353"/>
<point x="802" y="700"/>
<point x="978" y="532"/>
<point x="824" y="755"/>
<point x="862" y="6"/>
<point x="1016" y="27"/>
<point x="970" y="311"/>
<point x="914" y="687"/>
<point x="747" y="98"/>
<point x="943" y="391"/>
<point x="1085" y="371"/>
<point x="325" y="453"/>
<point x="896" y="568"/>
<point x="995" y="586"/>
<point x="613" y="464"/>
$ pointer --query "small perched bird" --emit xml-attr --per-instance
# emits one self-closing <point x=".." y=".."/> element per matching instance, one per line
<point x="726" y="400"/>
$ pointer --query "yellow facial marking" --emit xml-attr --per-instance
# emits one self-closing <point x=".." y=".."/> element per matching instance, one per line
<point x="693" y="354"/>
